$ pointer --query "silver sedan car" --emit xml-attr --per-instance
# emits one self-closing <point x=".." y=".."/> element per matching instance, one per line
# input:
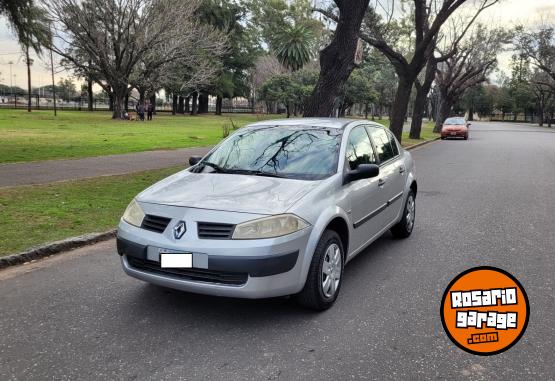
<point x="278" y="208"/>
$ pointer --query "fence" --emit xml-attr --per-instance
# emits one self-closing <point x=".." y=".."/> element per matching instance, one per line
<point x="45" y="102"/>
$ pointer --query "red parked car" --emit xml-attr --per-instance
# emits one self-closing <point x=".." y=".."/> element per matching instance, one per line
<point x="456" y="127"/>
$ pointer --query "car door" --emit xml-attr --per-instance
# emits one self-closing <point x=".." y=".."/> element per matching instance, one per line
<point x="392" y="172"/>
<point x="363" y="194"/>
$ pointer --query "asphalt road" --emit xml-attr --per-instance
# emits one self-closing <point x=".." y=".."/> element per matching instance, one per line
<point x="485" y="201"/>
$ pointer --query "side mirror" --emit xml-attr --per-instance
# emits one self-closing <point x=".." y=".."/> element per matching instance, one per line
<point x="194" y="160"/>
<point x="363" y="171"/>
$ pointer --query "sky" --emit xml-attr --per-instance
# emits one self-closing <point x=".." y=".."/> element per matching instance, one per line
<point x="508" y="13"/>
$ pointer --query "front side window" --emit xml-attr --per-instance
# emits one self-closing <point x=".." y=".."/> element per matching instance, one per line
<point x="382" y="143"/>
<point x="297" y="152"/>
<point x="359" y="149"/>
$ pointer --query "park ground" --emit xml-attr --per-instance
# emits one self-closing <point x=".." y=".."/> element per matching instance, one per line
<point x="33" y="215"/>
<point x="484" y="201"/>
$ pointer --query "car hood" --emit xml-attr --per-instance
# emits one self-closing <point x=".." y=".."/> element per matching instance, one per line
<point x="228" y="192"/>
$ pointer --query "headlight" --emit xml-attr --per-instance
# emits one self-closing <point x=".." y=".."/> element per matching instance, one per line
<point x="134" y="214"/>
<point x="269" y="227"/>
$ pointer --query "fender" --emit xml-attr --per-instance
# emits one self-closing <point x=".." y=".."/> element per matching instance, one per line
<point x="317" y="230"/>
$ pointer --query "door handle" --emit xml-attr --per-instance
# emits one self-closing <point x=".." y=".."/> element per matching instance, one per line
<point x="401" y="170"/>
<point x="381" y="182"/>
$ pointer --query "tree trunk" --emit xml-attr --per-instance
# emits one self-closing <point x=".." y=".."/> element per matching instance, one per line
<point x="540" y="113"/>
<point x="28" y="59"/>
<point x="444" y="111"/>
<point x="142" y="96"/>
<point x="400" y="105"/>
<point x="194" y="106"/>
<point x="219" y="102"/>
<point x="202" y="103"/>
<point x="90" y="95"/>
<point x="471" y="113"/>
<point x="421" y="99"/>
<point x="366" y="110"/>
<point x="187" y="104"/>
<point x="111" y="102"/>
<point x="127" y="102"/>
<point x="174" y="104"/>
<point x="337" y="59"/>
<point x="119" y="99"/>
<point x="180" y="106"/>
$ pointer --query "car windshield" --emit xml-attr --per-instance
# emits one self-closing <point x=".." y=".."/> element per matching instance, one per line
<point x="297" y="152"/>
<point x="454" y="121"/>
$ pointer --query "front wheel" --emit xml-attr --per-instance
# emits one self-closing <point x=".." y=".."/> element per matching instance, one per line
<point x="404" y="227"/>
<point x="324" y="275"/>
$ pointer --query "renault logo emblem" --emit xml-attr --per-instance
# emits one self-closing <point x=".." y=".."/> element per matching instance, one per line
<point x="179" y="229"/>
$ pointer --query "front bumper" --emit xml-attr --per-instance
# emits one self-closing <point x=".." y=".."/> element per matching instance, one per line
<point x="234" y="268"/>
<point x="453" y="134"/>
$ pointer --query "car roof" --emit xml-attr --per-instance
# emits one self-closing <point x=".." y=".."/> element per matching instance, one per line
<point x="339" y="123"/>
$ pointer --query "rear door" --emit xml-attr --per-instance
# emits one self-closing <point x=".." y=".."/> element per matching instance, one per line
<point x="363" y="194"/>
<point x="392" y="172"/>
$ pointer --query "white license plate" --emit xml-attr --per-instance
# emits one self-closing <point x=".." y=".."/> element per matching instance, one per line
<point x="176" y="260"/>
<point x="453" y="133"/>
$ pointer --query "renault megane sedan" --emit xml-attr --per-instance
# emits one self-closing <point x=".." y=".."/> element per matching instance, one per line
<point x="278" y="208"/>
<point x="456" y="127"/>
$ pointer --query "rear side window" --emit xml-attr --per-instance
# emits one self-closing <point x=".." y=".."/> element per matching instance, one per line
<point x="393" y="142"/>
<point x="359" y="149"/>
<point x="384" y="148"/>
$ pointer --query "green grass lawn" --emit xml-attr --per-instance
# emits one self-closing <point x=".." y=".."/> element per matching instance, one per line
<point x="33" y="215"/>
<point x="39" y="135"/>
<point x="72" y="134"/>
<point x="427" y="133"/>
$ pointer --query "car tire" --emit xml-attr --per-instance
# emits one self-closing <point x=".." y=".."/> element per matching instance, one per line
<point x="404" y="228"/>
<point x="466" y="137"/>
<point x="315" y="294"/>
<point x="443" y="138"/>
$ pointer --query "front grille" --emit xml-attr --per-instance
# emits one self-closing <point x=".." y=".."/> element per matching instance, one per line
<point x="155" y="223"/>
<point x="211" y="230"/>
<point x="199" y="275"/>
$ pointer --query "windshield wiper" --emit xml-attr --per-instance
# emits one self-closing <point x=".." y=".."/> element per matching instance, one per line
<point x="216" y="167"/>
<point x="257" y="173"/>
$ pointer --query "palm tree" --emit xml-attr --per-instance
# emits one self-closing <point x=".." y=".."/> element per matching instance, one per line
<point x="293" y="46"/>
<point x="34" y="34"/>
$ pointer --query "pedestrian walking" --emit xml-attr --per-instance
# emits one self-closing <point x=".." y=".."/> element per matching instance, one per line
<point x="149" y="111"/>
<point x="141" y="111"/>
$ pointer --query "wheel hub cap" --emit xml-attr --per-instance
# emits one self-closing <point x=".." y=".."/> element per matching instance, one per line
<point x="410" y="213"/>
<point x="331" y="270"/>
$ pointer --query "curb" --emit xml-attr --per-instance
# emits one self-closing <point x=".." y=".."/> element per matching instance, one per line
<point x="420" y="144"/>
<point x="54" y="248"/>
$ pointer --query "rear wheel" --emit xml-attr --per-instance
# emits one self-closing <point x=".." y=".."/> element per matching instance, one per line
<point x="404" y="227"/>
<point x="323" y="280"/>
<point x="466" y="137"/>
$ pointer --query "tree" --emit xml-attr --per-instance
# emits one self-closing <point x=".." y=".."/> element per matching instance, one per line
<point x="337" y="60"/>
<point x="539" y="47"/>
<point x="293" y="46"/>
<point x="280" y="89"/>
<point x="116" y="35"/>
<point x="427" y="18"/>
<point x="358" y="89"/>
<point x="543" y="88"/>
<point x="33" y="33"/>
<point x="470" y="66"/>
<point x="242" y="49"/>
